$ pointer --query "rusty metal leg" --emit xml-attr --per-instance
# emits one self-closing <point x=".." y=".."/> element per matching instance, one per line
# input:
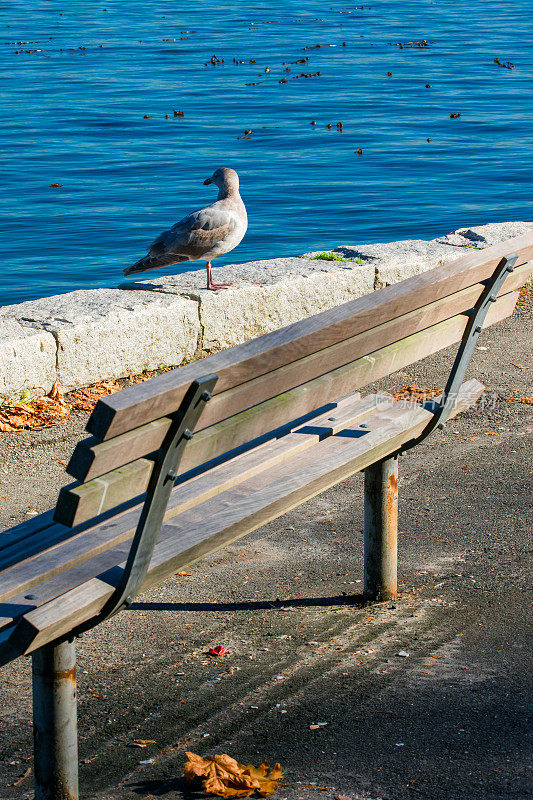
<point x="55" y="738"/>
<point x="381" y="530"/>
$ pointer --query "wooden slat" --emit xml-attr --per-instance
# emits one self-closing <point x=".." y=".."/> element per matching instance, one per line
<point x="243" y="467"/>
<point x="27" y="528"/>
<point x="61" y="556"/>
<point x="19" y="550"/>
<point x="92" y="458"/>
<point x="79" y="503"/>
<point x="180" y="502"/>
<point x="206" y="528"/>
<point x="153" y="399"/>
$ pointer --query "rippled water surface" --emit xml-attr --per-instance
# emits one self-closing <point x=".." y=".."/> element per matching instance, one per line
<point x="86" y="87"/>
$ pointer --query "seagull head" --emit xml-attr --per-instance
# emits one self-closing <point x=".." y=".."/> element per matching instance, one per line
<point x="227" y="181"/>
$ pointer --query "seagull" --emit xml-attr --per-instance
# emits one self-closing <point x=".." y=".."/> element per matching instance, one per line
<point x="204" y="234"/>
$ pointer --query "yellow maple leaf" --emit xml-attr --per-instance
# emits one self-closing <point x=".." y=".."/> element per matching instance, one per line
<point x="224" y="776"/>
<point x="268" y="778"/>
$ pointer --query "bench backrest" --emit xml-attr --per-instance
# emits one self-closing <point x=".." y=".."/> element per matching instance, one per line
<point x="279" y="378"/>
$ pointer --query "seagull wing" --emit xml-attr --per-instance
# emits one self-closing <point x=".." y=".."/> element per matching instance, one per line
<point x="189" y="239"/>
<point x="199" y="232"/>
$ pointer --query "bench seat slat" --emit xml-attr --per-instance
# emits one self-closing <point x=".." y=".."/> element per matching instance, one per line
<point x="145" y="402"/>
<point x="79" y="503"/>
<point x="19" y="551"/>
<point x="92" y="458"/>
<point x="81" y="547"/>
<point x="25" y="529"/>
<point x="207" y="527"/>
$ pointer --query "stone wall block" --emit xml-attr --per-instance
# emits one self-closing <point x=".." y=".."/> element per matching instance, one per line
<point x="105" y="333"/>
<point x="236" y="315"/>
<point x="27" y="360"/>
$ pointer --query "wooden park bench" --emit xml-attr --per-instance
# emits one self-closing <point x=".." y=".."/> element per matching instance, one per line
<point x="276" y="420"/>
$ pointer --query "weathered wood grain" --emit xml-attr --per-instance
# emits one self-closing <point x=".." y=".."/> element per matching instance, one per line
<point x="39" y="540"/>
<point x="61" y="556"/>
<point x="140" y="404"/>
<point x="24" y="529"/>
<point x="222" y="519"/>
<point x="78" y="503"/>
<point x="106" y="560"/>
<point x="92" y="458"/>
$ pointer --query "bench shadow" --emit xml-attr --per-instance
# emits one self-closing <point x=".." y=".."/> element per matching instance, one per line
<point x="157" y="788"/>
<point x="358" y="600"/>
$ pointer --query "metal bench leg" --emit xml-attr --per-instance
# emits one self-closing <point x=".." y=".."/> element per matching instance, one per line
<point x="55" y="738"/>
<point x="381" y="529"/>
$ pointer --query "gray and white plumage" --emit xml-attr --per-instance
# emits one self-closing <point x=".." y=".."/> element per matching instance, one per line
<point x="204" y="234"/>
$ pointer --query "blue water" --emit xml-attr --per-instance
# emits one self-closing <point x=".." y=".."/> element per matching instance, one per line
<point x="76" y="117"/>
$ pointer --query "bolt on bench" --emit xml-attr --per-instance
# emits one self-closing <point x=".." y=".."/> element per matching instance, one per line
<point x="276" y="421"/>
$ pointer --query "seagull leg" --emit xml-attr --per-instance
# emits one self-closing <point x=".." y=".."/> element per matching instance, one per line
<point x="210" y="284"/>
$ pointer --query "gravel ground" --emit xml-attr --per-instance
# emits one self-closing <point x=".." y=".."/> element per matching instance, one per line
<point x="448" y="720"/>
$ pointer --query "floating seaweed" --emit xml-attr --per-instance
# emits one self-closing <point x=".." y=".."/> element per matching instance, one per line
<point x="423" y="43"/>
<point x="317" y="46"/>
<point x="306" y="75"/>
<point x="504" y="64"/>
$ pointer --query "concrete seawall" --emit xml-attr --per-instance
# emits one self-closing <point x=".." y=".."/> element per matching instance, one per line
<point x="85" y="336"/>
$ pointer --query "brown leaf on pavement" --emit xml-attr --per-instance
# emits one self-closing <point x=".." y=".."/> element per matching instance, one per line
<point x="85" y="399"/>
<point x="528" y="401"/>
<point x="418" y="394"/>
<point x="34" y="414"/>
<point x="224" y="776"/>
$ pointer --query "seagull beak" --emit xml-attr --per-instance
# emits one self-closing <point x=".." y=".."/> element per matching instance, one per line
<point x="208" y="181"/>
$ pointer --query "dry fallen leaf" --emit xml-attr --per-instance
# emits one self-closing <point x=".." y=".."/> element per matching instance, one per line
<point x="528" y="401"/>
<point x="35" y="414"/>
<point x="224" y="776"/>
<point x="418" y="394"/>
<point x="85" y="399"/>
<point x="219" y="650"/>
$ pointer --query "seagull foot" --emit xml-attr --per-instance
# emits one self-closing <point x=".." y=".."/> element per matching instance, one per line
<point x="214" y="287"/>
